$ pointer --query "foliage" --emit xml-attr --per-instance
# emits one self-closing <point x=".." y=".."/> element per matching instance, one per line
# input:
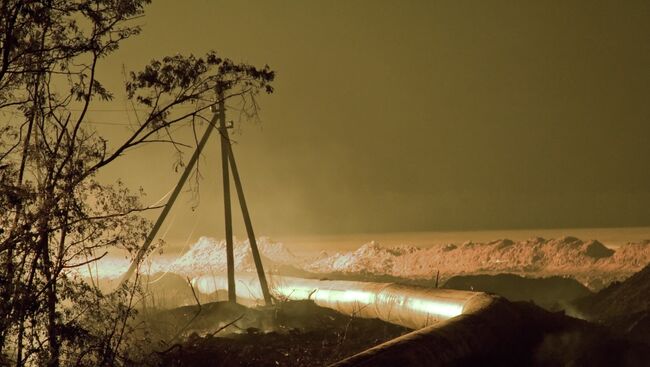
<point x="55" y="216"/>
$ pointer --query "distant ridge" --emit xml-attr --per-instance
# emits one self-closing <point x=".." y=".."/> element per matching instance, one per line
<point x="590" y="262"/>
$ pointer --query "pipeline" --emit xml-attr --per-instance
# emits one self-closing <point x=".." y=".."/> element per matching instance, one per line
<point x="452" y="328"/>
<point x="491" y="331"/>
<point x="409" y="306"/>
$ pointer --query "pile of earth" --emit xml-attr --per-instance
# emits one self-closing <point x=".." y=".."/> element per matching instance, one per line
<point x="208" y="256"/>
<point x="551" y="293"/>
<point x="289" y="334"/>
<point x="623" y="306"/>
<point x="589" y="262"/>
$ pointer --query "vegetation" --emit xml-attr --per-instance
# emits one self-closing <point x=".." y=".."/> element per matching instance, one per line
<point x="55" y="215"/>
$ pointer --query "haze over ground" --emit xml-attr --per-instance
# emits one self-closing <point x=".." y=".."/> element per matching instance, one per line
<point x="418" y="116"/>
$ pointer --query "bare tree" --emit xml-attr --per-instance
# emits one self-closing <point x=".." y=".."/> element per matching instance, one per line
<point x="54" y="214"/>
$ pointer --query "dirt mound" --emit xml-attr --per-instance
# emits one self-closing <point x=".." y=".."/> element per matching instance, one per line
<point x="589" y="262"/>
<point x="597" y="250"/>
<point x="624" y="306"/>
<point x="369" y="258"/>
<point x="627" y="297"/>
<point x="208" y="256"/>
<point x="550" y="293"/>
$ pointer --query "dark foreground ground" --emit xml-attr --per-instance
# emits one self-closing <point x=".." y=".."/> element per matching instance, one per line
<point x="303" y="334"/>
<point x="292" y="334"/>
<point x="517" y="334"/>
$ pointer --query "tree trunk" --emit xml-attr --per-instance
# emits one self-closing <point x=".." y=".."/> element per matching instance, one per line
<point x="50" y="294"/>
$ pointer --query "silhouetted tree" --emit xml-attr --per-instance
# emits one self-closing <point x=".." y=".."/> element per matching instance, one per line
<point x="55" y="215"/>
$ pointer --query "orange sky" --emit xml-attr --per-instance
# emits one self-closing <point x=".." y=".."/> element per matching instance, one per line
<point x="413" y="116"/>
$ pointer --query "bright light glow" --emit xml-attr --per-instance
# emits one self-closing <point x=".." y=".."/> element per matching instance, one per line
<point x="435" y="308"/>
<point x="294" y="292"/>
<point x="347" y="296"/>
<point x="407" y="306"/>
<point x="358" y="296"/>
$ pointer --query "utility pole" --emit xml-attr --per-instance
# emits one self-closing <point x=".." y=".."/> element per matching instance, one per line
<point x="223" y="131"/>
<point x="249" y="229"/>
<point x="170" y="202"/>
<point x="227" y="163"/>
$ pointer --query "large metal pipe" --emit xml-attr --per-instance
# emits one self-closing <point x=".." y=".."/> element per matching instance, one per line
<point x="410" y="306"/>
<point x="491" y="331"/>
<point x="452" y="327"/>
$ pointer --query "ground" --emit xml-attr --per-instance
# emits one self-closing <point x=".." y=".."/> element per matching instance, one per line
<point x="291" y="334"/>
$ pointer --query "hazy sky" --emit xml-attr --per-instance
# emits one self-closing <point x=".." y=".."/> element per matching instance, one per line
<point x="415" y="115"/>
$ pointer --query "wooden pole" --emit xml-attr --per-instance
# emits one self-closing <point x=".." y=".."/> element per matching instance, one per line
<point x="249" y="228"/>
<point x="170" y="202"/>
<point x="230" y="257"/>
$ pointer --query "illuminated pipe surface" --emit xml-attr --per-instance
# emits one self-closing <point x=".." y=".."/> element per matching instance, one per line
<point x="453" y="327"/>
<point x="410" y="306"/>
<point x="491" y="331"/>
